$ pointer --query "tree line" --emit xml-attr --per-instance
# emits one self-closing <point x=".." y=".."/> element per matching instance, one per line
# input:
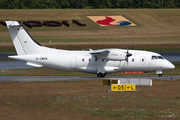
<point x="87" y="4"/>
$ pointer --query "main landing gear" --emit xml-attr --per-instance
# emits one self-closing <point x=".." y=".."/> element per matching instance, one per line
<point x="101" y="75"/>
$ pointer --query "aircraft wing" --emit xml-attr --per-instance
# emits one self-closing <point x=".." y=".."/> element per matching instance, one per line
<point x="109" y="54"/>
<point x="100" y="52"/>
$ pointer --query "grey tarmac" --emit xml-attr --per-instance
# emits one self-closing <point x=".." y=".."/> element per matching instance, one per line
<point x="78" y="78"/>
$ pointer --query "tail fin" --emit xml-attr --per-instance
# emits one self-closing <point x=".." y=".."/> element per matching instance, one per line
<point x="23" y="42"/>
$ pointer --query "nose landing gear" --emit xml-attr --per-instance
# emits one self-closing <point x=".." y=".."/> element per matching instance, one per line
<point x="160" y="75"/>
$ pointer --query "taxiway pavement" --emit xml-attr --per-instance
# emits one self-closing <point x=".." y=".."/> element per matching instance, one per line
<point x="78" y="78"/>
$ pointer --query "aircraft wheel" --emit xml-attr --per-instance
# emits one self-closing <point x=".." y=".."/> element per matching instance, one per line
<point x="100" y="75"/>
<point x="160" y="75"/>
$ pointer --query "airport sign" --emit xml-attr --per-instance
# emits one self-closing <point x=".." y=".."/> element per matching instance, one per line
<point x="123" y="87"/>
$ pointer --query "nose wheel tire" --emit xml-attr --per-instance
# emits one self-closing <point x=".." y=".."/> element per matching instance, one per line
<point x="160" y="75"/>
<point x="100" y="75"/>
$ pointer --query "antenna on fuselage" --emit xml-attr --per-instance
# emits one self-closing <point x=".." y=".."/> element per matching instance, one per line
<point x="133" y="46"/>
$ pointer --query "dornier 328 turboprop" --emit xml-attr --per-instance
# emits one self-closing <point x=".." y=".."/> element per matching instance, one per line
<point x="100" y="62"/>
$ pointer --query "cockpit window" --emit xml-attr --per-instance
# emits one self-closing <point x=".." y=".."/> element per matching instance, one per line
<point x="160" y="57"/>
<point x="154" y="57"/>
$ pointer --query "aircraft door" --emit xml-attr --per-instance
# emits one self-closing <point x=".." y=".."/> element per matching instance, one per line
<point x="73" y="63"/>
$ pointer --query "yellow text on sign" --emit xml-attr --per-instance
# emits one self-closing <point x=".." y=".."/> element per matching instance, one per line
<point x="123" y="87"/>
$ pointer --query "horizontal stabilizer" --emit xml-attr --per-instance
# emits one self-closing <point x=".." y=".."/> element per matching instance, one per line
<point x="12" y="23"/>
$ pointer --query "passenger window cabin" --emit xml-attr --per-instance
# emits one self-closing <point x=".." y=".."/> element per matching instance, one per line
<point x="143" y="60"/>
<point x="133" y="60"/>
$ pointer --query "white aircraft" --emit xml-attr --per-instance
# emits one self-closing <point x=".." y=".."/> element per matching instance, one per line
<point x="100" y="62"/>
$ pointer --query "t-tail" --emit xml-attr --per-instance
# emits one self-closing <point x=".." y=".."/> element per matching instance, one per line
<point x="23" y="42"/>
<point x="27" y="49"/>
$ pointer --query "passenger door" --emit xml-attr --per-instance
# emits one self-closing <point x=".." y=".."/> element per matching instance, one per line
<point x="73" y="63"/>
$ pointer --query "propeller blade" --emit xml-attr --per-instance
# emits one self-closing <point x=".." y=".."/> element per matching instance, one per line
<point x="128" y="55"/>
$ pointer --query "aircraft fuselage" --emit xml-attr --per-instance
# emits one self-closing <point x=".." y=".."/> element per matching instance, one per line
<point x="85" y="62"/>
<point x="100" y="62"/>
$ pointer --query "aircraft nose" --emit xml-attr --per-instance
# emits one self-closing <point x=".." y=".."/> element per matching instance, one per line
<point x="167" y="65"/>
<point x="170" y="65"/>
